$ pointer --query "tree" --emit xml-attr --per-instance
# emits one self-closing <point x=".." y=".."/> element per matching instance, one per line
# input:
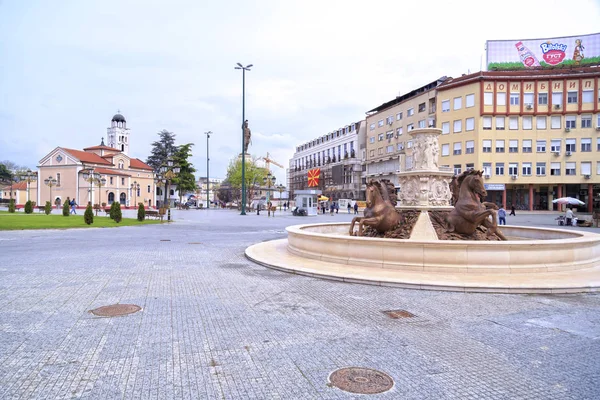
<point x="5" y="173"/>
<point x="141" y="212"/>
<point x="48" y="208"/>
<point x="88" y="216"/>
<point x="185" y="180"/>
<point x="28" y="207"/>
<point x="226" y="193"/>
<point x="66" y="211"/>
<point x="253" y="175"/>
<point x="162" y="149"/>
<point x="118" y="215"/>
<point x="11" y="206"/>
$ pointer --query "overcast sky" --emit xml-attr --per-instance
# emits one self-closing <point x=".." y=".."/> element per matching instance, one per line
<point x="67" y="66"/>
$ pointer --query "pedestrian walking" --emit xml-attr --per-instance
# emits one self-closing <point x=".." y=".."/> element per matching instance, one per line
<point x="356" y="207"/>
<point x="337" y="207"/>
<point x="501" y="216"/>
<point x="73" y="204"/>
<point x="349" y="207"/>
<point x="512" y="210"/>
<point x="331" y="208"/>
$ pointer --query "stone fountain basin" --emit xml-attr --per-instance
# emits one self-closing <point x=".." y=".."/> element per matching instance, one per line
<point x="531" y="250"/>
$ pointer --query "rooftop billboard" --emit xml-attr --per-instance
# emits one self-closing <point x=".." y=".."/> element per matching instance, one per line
<point x="539" y="53"/>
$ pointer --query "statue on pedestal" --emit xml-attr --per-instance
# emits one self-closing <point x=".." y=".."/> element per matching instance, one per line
<point x="247" y="136"/>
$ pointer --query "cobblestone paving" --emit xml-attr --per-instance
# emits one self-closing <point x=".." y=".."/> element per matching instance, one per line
<point x="214" y="325"/>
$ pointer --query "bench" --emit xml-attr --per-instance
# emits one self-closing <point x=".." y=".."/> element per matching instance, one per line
<point x="152" y="214"/>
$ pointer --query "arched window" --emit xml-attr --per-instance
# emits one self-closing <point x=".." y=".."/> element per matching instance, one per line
<point x="159" y="191"/>
<point x="121" y="164"/>
<point x="122" y="147"/>
<point x="172" y="192"/>
<point x="122" y="198"/>
<point x="111" y="198"/>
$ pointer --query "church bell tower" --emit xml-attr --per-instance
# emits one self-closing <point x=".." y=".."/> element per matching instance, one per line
<point x="118" y="133"/>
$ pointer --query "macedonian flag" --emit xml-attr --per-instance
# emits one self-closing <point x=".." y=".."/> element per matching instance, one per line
<point x="313" y="177"/>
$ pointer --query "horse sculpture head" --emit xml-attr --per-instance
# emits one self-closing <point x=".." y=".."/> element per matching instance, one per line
<point x="472" y="180"/>
<point x="380" y="191"/>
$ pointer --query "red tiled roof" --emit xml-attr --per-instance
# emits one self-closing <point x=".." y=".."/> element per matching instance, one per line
<point x="139" y="164"/>
<point x="102" y="148"/>
<point x="106" y="171"/>
<point x="87" y="157"/>
<point x="19" y="185"/>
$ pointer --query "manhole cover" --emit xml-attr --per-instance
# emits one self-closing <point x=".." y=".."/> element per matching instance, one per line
<point x="396" y="314"/>
<point x="195" y="243"/>
<point x="361" y="380"/>
<point x="115" y="310"/>
<point x="165" y="240"/>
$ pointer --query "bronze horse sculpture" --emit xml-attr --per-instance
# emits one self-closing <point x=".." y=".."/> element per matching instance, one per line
<point x="380" y="212"/>
<point x="469" y="212"/>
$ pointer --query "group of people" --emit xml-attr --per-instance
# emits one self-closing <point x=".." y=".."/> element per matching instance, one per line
<point x="70" y="202"/>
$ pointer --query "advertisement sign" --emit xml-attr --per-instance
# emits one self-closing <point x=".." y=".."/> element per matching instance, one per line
<point x="546" y="52"/>
<point x="494" y="186"/>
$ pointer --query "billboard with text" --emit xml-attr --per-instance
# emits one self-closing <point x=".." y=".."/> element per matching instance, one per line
<point x="546" y="52"/>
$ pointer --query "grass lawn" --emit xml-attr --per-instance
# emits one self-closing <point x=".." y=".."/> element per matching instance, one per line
<point x="20" y="220"/>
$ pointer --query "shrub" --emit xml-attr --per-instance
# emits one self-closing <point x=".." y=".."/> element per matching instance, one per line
<point x="66" y="209"/>
<point x="103" y="205"/>
<point x="111" y="213"/>
<point x="28" y="207"/>
<point x="33" y="204"/>
<point x="141" y="212"/>
<point x="48" y="208"/>
<point x="11" y="206"/>
<point x="118" y="214"/>
<point x="88" y="216"/>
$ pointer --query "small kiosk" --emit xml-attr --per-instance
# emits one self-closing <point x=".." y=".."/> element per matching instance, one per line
<point x="307" y="199"/>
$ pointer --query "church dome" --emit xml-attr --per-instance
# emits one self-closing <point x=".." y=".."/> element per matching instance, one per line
<point x="118" y="118"/>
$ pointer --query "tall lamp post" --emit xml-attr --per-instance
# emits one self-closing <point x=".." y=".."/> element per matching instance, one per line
<point x="244" y="69"/>
<point x="29" y="177"/>
<point x="165" y="174"/>
<point x="50" y="182"/>
<point x="207" y="173"/>
<point x="135" y="187"/>
<point x="92" y="177"/>
<point x="280" y="188"/>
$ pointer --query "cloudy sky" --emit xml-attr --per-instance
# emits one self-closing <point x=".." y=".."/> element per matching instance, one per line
<point x="67" y="66"/>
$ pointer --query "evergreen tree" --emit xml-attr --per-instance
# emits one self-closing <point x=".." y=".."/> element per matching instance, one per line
<point x="66" y="211"/>
<point x="48" y="208"/>
<point x="28" y="207"/>
<point x="11" y="206"/>
<point x="162" y="149"/>
<point x="88" y="216"/>
<point x="111" y="213"/>
<point x="118" y="216"/>
<point x="185" y="180"/>
<point x="141" y="212"/>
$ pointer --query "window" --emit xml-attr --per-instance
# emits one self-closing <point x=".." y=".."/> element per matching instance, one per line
<point x="122" y="181"/>
<point x="58" y="179"/>
<point x="380" y="151"/>
<point x="487" y="169"/>
<point x="470" y="124"/>
<point x="488" y="99"/>
<point x="527" y="123"/>
<point x="372" y="139"/>
<point x="555" y="122"/>
<point x="470" y="100"/>
<point x="501" y="99"/>
<point x="409" y="144"/>
<point x="513" y="146"/>
<point x="586" y="168"/>
<point x="571" y="97"/>
<point x="500" y="123"/>
<point x="587" y="96"/>
<point x="586" y="121"/>
<point x="388" y="135"/>
<point x="528" y="99"/>
<point x="399" y="116"/>
<point x="540" y="122"/>
<point x="570" y="145"/>
<point x="457" y="169"/>
<point x="470" y="147"/>
<point x="400" y="146"/>
<point x="526" y="169"/>
<point x="557" y="99"/>
<point x="422" y="107"/>
<point x="542" y="99"/>
<point x="446" y="149"/>
<point x="458" y="125"/>
<point x="410" y="112"/>
<point x="598" y="121"/>
<point x="457" y="149"/>
<point x="372" y="127"/>
<point x="499" y="146"/>
<point x="380" y="137"/>
<point x="457" y="103"/>
<point x="555" y="145"/>
<point x="445" y="128"/>
<point x="555" y="168"/>
<point x="390" y="120"/>
<point x="540" y="146"/>
<point x="499" y="168"/>
<point x="111" y="180"/>
<point x="540" y="168"/>
<point x="570" y="168"/>
<point x="371" y="153"/>
<point x="410" y="127"/>
<point x="570" y="121"/>
<point x="469" y="166"/>
<point x="513" y="169"/>
<point x="422" y="124"/>
<point x="598" y="144"/>
<point x="379" y="123"/>
<point x="445" y="105"/>
<point x="487" y="123"/>
<point x="389" y="149"/>
<point x="514" y="99"/>
<point x="487" y="146"/>
<point x="513" y="123"/>
<point x="398" y="132"/>
<point x="149" y="185"/>
<point x="586" y="144"/>
<point x="121" y="164"/>
<point x="597" y="167"/>
<point x="526" y="145"/>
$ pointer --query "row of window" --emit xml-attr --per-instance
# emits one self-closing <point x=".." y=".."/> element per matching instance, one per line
<point x="409" y="113"/>
<point x="328" y="137"/>
<point x="526" y="146"/>
<point x="400" y="130"/>
<point x="457" y="103"/>
<point x="514" y="99"/>
<point x="526" y="169"/>
<point x="325" y="156"/>
<point x="526" y="123"/>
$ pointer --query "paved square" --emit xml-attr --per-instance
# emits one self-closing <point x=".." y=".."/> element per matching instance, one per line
<point x="214" y="325"/>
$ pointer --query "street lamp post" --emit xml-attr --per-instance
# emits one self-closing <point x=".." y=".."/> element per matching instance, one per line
<point x="164" y="176"/>
<point x="135" y="187"/>
<point x="92" y="177"/>
<point x="244" y="69"/>
<point x="29" y="177"/>
<point x="207" y="171"/>
<point x="269" y="181"/>
<point x="280" y="189"/>
<point x="50" y="182"/>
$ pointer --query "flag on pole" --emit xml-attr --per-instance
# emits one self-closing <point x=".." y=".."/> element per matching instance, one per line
<point x="313" y="177"/>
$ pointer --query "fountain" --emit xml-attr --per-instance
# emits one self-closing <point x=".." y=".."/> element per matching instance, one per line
<point x="531" y="260"/>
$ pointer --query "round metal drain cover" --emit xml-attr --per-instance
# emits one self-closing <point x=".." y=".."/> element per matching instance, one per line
<point x="116" y="310"/>
<point x="361" y="380"/>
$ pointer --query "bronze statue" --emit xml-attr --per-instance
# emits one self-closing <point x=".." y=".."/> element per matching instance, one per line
<point x="247" y="136"/>
<point x="380" y="213"/>
<point x="469" y="212"/>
